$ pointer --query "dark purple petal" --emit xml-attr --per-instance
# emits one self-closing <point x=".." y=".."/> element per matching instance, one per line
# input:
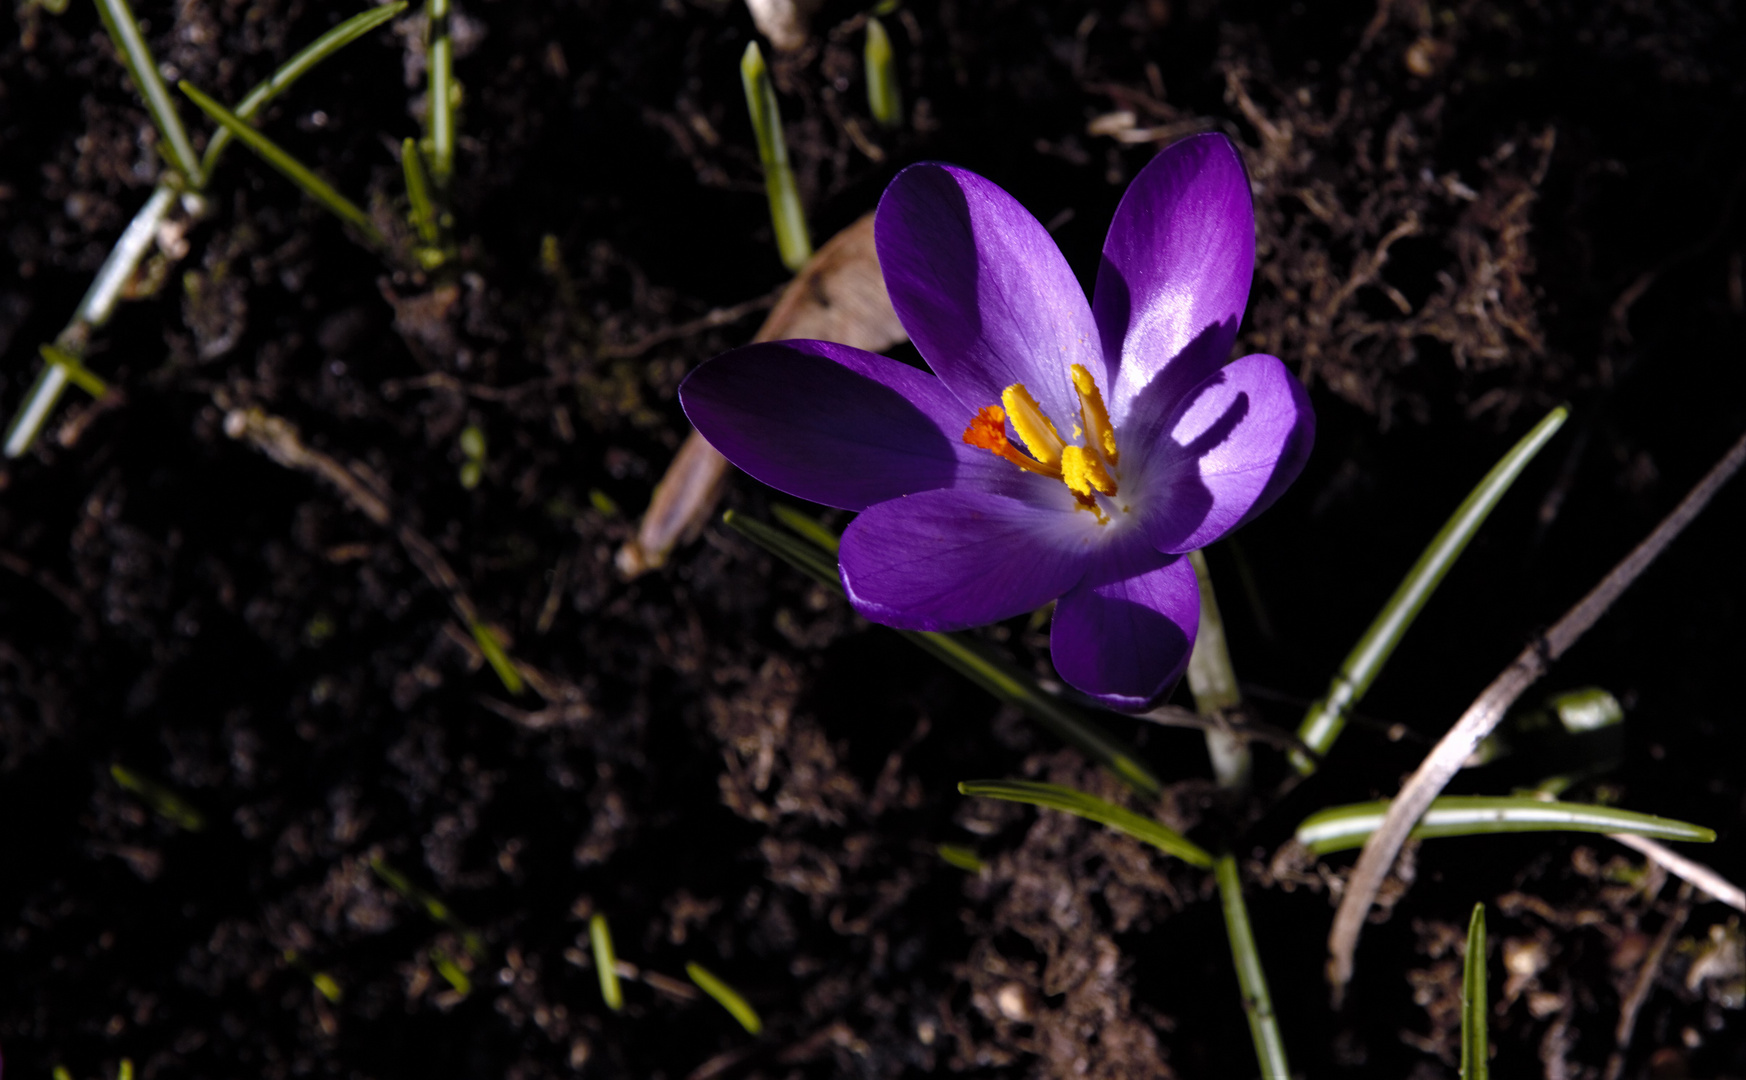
<point x="834" y="425"/>
<point x="983" y="290"/>
<point x="1176" y="269"/>
<point x="946" y="560"/>
<point x="1230" y="447"/>
<point x="1124" y="634"/>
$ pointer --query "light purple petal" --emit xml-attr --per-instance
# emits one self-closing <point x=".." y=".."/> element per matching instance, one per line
<point x="983" y="290"/>
<point x="833" y="424"/>
<point x="947" y="560"/>
<point x="1176" y="269"/>
<point x="1124" y="634"/>
<point x="1223" y="454"/>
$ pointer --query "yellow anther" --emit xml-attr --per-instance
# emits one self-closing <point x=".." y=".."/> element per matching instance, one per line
<point x="1083" y="472"/>
<point x="1035" y="428"/>
<point x="1094" y="414"/>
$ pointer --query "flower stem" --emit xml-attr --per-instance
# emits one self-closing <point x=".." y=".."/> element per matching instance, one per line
<point x="1257" y="1001"/>
<point x="1213" y="681"/>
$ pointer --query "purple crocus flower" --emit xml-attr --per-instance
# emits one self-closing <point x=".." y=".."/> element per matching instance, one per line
<point x="1060" y="450"/>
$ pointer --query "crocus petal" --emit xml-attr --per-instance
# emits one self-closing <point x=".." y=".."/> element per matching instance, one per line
<point x="982" y="289"/>
<point x="833" y="424"/>
<point x="1176" y="269"/>
<point x="1223" y="453"/>
<point x="946" y="560"/>
<point x="1124" y="634"/>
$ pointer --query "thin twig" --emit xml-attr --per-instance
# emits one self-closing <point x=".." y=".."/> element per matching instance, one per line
<point x="1645" y="981"/>
<point x="721" y="316"/>
<point x="1690" y="870"/>
<point x="280" y="440"/>
<point x="1447" y="757"/>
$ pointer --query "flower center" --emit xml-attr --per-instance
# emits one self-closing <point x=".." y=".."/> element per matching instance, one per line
<point x="1084" y="469"/>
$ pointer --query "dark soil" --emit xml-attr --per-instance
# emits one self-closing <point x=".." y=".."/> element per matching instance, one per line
<point x="1468" y="213"/>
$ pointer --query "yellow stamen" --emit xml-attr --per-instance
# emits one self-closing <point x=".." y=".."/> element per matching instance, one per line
<point x="1083" y="472"/>
<point x="1095" y="415"/>
<point x="1035" y="428"/>
<point x="1084" y="469"/>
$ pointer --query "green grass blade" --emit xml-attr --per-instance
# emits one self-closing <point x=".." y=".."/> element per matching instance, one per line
<point x="137" y="57"/>
<point x="975" y="661"/>
<point x="605" y="962"/>
<point x="1257" y="1001"/>
<point x="786" y="216"/>
<point x="1091" y="808"/>
<point x="884" y="100"/>
<point x="1006" y="682"/>
<point x="1340" y="828"/>
<point x="1475" y="1045"/>
<point x="726" y="996"/>
<point x="162" y="801"/>
<point x="432" y="905"/>
<point x="292" y="169"/>
<point x="1325" y="719"/>
<point x="440" y="95"/>
<point x="424" y="212"/>
<point x="77" y="373"/>
<point x="492" y="647"/>
<point x="295" y="68"/>
<point x="805" y="526"/>
<point x="962" y="857"/>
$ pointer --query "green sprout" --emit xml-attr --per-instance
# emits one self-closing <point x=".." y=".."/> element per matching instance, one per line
<point x="473" y="450"/>
<point x="1475" y="1046"/>
<point x="962" y="857"/>
<point x="605" y="963"/>
<point x="495" y="655"/>
<point x="786" y="215"/>
<point x="726" y="996"/>
<point x="884" y="100"/>
<point x="162" y="801"/>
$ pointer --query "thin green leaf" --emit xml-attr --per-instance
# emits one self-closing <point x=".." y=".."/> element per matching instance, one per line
<point x="1325" y="719"/>
<point x="962" y="857"/>
<point x="452" y="973"/>
<point x="424" y="213"/>
<point x="492" y="647"/>
<point x="440" y="98"/>
<point x="1475" y="1046"/>
<point x="295" y="68"/>
<point x="162" y="801"/>
<point x="1257" y="1001"/>
<point x="77" y="373"/>
<point x="975" y="661"/>
<point x="136" y="56"/>
<point x="432" y="905"/>
<point x="1092" y="808"/>
<point x="807" y="527"/>
<point x="292" y="169"/>
<point x="786" y="216"/>
<point x="605" y="962"/>
<point x="726" y="996"/>
<point x="884" y="100"/>
<point x="1342" y="827"/>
